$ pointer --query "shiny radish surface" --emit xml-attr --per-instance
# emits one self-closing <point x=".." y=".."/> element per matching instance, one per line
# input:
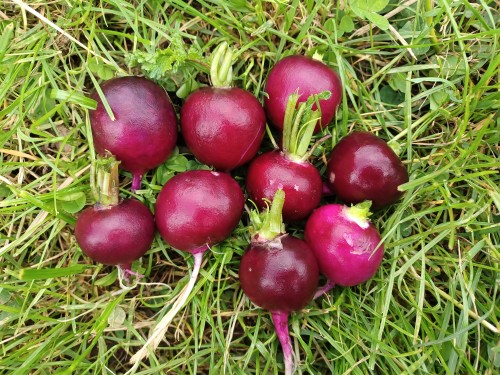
<point x="144" y="131"/>
<point x="301" y="182"/>
<point x="363" y="167"/>
<point x="307" y="75"/>
<point x="198" y="208"/>
<point x="117" y="234"/>
<point x="223" y="126"/>
<point x="345" y="243"/>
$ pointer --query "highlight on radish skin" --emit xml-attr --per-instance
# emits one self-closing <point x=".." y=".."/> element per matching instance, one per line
<point x="347" y="245"/>
<point x="194" y="210"/>
<point x="143" y="133"/>
<point x="114" y="231"/>
<point x="278" y="272"/>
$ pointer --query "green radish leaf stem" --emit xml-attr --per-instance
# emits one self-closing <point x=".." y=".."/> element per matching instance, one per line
<point x="299" y="124"/>
<point x="269" y="224"/>
<point x="221" y="70"/>
<point x="104" y="181"/>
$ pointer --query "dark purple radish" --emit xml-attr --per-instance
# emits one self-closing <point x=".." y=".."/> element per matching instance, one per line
<point x="114" y="231"/>
<point x="143" y="132"/>
<point x="223" y="126"/>
<point x="347" y="246"/>
<point x="278" y="272"/>
<point x="363" y="167"/>
<point x="309" y="76"/>
<point x="289" y="169"/>
<point x="194" y="210"/>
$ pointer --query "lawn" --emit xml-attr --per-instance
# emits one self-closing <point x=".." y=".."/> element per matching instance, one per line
<point x="421" y="74"/>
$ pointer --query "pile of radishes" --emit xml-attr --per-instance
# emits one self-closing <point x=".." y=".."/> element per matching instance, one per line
<point x="223" y="126"/>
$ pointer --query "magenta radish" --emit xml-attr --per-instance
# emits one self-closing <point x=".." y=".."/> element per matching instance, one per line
<point x="363" y="167"/>
<point x="346" y="244"/>
<point x="223" y="126"/>
<point x="114" y="231"/>
<point x="278" y="272"/>
<point x="194" y="210"/>
<point x="289" y="169"/>
<point x="143" y="132"/>
<point x="310" y="77"/>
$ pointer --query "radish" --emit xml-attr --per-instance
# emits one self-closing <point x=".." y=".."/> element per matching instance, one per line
<point x="143" y="132"/>
<point x="363" y="167"/>
<point x="278" y="272"/>
<point x="223" y="126"/>
<point x="309" y="76"/>
<point x="289" y="169"/>
<point x="114" y="231"/>
<point x="348" y="247"/>
<point x="194" y="210"/>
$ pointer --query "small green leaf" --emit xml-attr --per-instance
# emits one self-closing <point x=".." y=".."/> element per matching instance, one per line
<point x="438" y="99"/>
<point x="29" y="274"/>
<point x="330" y="25"/>
<point x="109" y="279"/>
<point x="117" y="317"/>
<point x="390" y="96"/>
<point x="380" y="21"/>
<point x="4" y="190"/>
<point x="72" y="203"/>
<point x="4" y="296"/>
<point x="398" y="82"/>
<point x="187" y="88"/>
<point x="100" y="69"/>
<point x="375" y="5"/>
<point x="346" y="24"/>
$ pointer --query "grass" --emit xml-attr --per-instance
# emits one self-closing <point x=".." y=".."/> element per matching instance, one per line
<point x="429" y="84"/>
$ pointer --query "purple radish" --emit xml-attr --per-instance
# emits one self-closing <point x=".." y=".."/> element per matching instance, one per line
<point x="143" y="132"/>
<point x="363" y="167"/>
<point x="223" y="126"/>
<point x="289" y="169"/>
<point x="348" y="247"/>
<point x="114" y="231"/>
<point x="194" y="210"/>
<point x="278" y="272"/>
<point x="309" y="76"/>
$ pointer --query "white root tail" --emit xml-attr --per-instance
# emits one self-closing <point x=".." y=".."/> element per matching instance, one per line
<point x="162" y="327"/>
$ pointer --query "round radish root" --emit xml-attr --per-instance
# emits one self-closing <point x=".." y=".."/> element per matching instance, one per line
<point x="289" y="169"/>
<point x="144" y="130"/>
<point x="363" y="167"/>
<point x="278" y="272"/>
<point x="347" y="246"/>
<point x="223" y="126"/>
<point x="301" y="182"/>
<point x="114" y="231"/>
<point x="307" y="75"/>
<point x="194" y="210"/>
